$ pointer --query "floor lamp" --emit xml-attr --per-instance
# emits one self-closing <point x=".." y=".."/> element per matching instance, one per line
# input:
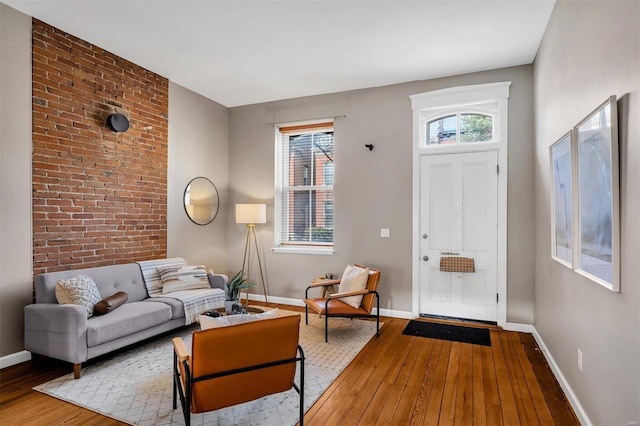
<point x="252" y="214"/>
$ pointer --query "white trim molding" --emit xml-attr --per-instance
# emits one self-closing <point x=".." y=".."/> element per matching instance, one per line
<point x="564" y="384"/>
<point x="15" y="358"/>
<point x="298" y="302"/>
<point x="521" y="328"/>
<point x="328" y="251"/>
<point x="460" y="95"/>
<point x="453" y="97"/>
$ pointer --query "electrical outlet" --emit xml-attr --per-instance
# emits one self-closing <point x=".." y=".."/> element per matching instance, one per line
<point x="580" y="359"/>
<point x="384" y="233"/>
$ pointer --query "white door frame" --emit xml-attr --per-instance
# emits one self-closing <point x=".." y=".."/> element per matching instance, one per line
<point x="448" y="98"/>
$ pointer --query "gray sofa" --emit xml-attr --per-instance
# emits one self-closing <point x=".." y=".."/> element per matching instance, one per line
<point x="64" y="332"/>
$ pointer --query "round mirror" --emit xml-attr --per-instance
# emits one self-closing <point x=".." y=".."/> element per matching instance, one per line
<point x="201" y="201"/>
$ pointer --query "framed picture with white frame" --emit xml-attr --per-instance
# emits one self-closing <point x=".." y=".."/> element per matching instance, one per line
<point x="561" y="167"/>
<point x="596" y="177"/>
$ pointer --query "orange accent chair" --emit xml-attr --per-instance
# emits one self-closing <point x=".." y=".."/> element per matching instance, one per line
<point x="332" y="306"/>
<point x="236" y="364"/>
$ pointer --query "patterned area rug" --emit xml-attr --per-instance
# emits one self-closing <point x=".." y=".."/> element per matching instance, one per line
<point x="135" y="386"/>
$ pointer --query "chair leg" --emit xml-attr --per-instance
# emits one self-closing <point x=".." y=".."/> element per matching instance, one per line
<point x="302" y="389"/>
<point x="306" y="314"/>
<point x="377" y="315"/>
<point x="175" y="392"/>
<point x="76" y="370"/>
<point x="326" y="326"/>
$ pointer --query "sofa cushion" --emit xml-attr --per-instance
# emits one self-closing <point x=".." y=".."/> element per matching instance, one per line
<point x="183" y="278"/>
<point x="177" y="307"/>
<point x="127" y="319"/>
<point x="79" y="290"/>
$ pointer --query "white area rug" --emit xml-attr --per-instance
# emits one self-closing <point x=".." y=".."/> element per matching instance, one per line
<point x="136" y="386"/>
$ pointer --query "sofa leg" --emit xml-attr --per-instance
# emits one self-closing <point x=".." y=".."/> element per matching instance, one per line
<point x="76" y="370"/>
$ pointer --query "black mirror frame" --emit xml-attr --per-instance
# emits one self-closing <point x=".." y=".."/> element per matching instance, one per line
<point x="217" y="198"/>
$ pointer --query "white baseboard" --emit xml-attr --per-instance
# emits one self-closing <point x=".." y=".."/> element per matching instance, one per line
<point x="571" y="396"/>
<point x="15" y="358"/>
<point x="275" y="299"/>
<point x="298" y="302"/>
<point x="396" y="314"/>
<point x="516" y="326"/>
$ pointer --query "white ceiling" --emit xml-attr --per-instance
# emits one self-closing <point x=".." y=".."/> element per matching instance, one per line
<point x="240" y="52"/>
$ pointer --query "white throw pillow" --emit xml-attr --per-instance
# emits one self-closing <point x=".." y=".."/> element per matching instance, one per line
<point x="176" y="278"/>
<point x="354" y="278"/>
<point x="207" y="322"/>
<point x="80" y="290"/>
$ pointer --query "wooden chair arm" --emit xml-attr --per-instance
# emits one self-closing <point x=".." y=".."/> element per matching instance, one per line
<point x="350" y="293"/>
<point x="180" y="349"/>
<point x="323" y="283"/>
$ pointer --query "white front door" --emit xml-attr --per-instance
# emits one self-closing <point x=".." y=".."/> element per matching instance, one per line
<point x="458" y="219"/>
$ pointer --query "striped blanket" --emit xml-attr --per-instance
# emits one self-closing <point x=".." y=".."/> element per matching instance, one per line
<point x="195" y="302"/>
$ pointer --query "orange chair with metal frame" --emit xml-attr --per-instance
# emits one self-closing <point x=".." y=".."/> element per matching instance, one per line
<point x="225" y="368"/>
<point x="332" y="306"/>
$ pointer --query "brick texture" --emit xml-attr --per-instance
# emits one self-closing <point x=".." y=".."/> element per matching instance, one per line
<point x="99" y="197"/>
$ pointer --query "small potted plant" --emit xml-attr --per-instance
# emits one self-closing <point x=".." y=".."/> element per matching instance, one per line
<point x="234" y="286"/>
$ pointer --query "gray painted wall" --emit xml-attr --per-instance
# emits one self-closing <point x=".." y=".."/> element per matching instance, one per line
<point x="198" y="146"/>
<point x="373" y="189"/>
<point x="591" y="50"/>
<point x="15" y="176"/>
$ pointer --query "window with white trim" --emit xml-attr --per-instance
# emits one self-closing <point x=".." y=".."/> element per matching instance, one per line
<point x="469" y="124"/>
<point x="304" y="188"/>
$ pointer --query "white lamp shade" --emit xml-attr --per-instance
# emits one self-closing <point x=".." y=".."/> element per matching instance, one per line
<point x="251" y="213"/>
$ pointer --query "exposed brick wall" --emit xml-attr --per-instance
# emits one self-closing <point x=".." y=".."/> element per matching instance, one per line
<point x="99" y="197"/>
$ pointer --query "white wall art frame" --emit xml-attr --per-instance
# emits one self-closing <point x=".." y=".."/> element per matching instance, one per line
<point x="596" y="188"/>
<point x="561" y="166"/>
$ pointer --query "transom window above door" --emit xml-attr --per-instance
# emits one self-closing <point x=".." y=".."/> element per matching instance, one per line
<point x="460" y="125"/>
<point x="460" y="128"/>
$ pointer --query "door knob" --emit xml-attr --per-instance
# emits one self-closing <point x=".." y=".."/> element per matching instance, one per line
<point x="425" y="236"/>
<point x="425" y="258"/>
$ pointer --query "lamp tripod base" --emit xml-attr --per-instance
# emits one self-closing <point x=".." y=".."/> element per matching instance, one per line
<point x="251" y="231"/>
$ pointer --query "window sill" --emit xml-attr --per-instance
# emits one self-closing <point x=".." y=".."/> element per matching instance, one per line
<point x="326" y="251"/>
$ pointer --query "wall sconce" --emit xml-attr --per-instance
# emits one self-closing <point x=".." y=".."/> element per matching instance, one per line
<point x="118" y="122"/>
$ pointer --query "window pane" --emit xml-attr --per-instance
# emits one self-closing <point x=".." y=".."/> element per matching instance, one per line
<point x="442" y="130"/>
<point x="300" y="159"/>
<point x="323" y="158"/>
<point x="328" y="214"/>
<point x="476" y="128"/>
<point x="308" y="219"/>
<point x="327" y="170"/>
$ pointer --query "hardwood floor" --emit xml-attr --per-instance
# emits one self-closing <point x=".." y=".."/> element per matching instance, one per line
<point x="394" y="380"/>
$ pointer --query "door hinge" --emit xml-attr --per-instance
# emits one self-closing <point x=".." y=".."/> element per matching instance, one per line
<point x="498" y="168"/>
<point x="497" y="297"/>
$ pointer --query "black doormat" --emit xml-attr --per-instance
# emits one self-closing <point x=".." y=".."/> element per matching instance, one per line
<point x="455" y="333"/>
